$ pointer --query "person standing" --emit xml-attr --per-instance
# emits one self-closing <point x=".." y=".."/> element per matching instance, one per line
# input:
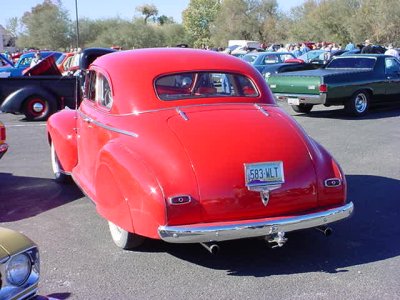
<point x="350" y="46"/>
<point x="368" y="47"/>
<point x="393" y="52"/>
<point x="36" y="59"/>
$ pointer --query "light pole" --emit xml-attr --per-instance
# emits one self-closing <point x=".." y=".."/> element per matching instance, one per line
<point x="77" y="24"/>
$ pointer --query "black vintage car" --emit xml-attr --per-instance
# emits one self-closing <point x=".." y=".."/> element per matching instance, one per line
<point x="43" y="90"/>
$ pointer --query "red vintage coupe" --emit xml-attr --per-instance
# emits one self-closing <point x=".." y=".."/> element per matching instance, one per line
<point x="189" y="146"/>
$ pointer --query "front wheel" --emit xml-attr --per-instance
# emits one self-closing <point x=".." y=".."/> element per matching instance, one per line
<point x="124" y="239"/>
<point x="37" y="108"/>
<point x="358" y="105"/>
<point x="302" y="108"/>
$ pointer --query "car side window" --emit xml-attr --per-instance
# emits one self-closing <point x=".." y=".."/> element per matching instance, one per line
<point x="90" y="85"/>
<point x="392" y="66"/>
<point x="103" y="92"/>
<point x="26" y="61"/>
<point x="270" y="59"/>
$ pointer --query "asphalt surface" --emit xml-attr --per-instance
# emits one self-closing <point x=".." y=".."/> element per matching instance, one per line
<point x="361" y="260"/>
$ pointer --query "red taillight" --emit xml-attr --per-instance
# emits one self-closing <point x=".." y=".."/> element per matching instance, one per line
<point x="183" y="199"/>
<point x="323" y="88"/>
<point x="2" y="133"/>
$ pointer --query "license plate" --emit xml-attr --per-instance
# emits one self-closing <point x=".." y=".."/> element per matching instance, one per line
<point x="265" y="173"/>
<point x="293" y="101"/>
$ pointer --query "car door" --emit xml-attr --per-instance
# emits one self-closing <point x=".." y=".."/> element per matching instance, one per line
<point x="87" y="144"/>
<point x="392" y="73"/>
<point x="93" y="132"/>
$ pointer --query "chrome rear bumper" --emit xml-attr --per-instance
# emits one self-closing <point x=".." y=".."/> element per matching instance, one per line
<point x="303" y="98"/>
<point x="214" y="232"/>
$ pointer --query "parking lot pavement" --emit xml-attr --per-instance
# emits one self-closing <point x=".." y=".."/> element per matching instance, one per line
<point x="361" y="260"/>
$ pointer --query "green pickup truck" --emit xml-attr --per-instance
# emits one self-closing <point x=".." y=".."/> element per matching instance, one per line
<point x="357" y="82"/>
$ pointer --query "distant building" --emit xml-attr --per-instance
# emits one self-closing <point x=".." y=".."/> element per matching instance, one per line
<point x="7" y="41"/>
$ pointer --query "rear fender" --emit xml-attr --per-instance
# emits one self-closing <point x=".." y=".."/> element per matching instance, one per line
<point x="127" y="191"/>
<point x="328" y="168"/>
<point x="15" y="101"/>
<point x="61" y="130"/>
<point x="325" y="167"/>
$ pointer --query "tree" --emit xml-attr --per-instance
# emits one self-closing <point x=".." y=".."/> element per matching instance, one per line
<point x="12" y="26"/>
<point x="197" y="19"/>
<point x="162" y="20"/>
<point x="174" y="34"/>
<point x="248" y="20"/>
<point x="45" y="26"/>
<point x="148" y="10"/>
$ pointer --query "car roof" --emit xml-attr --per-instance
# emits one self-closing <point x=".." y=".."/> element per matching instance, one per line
<point x="267" y="53"/>
<point x="32" y="53"/>
<point x="136" y="71"/>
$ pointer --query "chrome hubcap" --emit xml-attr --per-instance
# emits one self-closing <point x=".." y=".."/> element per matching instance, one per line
<point x="361" y="103"/>
<point x="37" y="107"/>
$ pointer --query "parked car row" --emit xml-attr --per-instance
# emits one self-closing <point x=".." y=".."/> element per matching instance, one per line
<point x="355" y="81"/>
<point x="24" y="62"/>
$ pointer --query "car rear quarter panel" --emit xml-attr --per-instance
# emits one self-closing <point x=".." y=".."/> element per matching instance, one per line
<point x="134" y="176"/>
<point x="127" y="192"/>
<point x="61" y="128"/>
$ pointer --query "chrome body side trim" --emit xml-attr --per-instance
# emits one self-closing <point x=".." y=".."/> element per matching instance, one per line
<point x="92" y="121"/>
<point x="214" y="232"/>
<point x="304" y="98"/>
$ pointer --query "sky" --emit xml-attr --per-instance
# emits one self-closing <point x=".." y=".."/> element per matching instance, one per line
<point x="109" y="9"/>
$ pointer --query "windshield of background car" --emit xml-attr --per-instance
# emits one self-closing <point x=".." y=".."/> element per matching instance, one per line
<point x="352" y="63"/>
<point x="4" y="63"/>
<point x="60" y="59"/>
<point x="249" y="58"/>
<point x="204" y="85"/>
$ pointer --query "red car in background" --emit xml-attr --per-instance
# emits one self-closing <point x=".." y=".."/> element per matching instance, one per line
<point x="168" y="152"/>
<point x="3" y="144"/>
<point x="63" y="61"/>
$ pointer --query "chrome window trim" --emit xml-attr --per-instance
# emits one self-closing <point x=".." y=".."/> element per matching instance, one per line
<point x="200" y="105"/>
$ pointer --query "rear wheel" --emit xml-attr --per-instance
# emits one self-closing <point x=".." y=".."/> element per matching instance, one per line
<point x="37" y="108"/>
<point x="123" y="238"/>
<point x="302" y="108"/>
<point x="59" y="174"/>
<point x="358" y="105"/>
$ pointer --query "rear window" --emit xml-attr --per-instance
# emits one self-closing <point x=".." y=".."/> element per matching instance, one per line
<point x="352" y="63"/>
<point x="204" y="85"/>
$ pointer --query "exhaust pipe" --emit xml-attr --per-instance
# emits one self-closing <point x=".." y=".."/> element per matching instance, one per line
<point x="211" y="247"/>
<point x="276" y="240"/>
<point x="326" y="231"/>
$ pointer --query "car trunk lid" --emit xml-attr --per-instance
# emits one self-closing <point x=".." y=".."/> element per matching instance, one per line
<point x="220" y="140"/>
